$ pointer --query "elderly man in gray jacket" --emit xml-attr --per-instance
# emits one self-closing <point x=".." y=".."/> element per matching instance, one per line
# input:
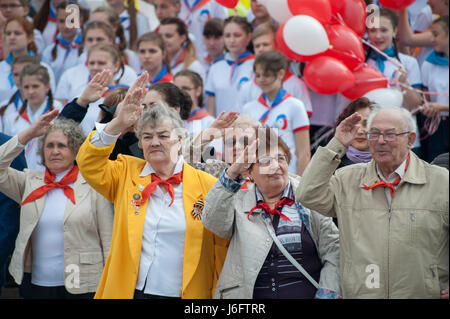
<point x="392" y="212"/>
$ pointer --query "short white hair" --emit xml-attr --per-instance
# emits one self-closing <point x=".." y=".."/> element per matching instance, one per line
<point x="408" y="120"/>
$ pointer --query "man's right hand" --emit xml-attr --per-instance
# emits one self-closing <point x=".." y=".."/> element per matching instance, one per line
<point x="347" y="129"/>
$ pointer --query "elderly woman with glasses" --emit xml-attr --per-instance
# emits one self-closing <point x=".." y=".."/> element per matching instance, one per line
<point x="65" y="225"/>
<point x="160" y="248"/>
<point x="268" y="229"/>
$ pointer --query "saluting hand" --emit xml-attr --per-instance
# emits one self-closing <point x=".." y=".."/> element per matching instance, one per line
<point x="347" y="129"/>
<point x="244" y="160"/>
<point x="95" y="88"/>
<point x="39" y="128"/>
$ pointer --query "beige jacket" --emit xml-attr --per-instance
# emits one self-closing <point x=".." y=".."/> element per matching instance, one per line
<point x="87" y="226"/>
<point x="401" y="256"/>
<point x="225" y="213"/>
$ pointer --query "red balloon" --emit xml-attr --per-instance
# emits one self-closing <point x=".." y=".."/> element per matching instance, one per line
<point x="354" y="15"/>
<point x="327" y="75"/>
<point x="231" y="4"/>
<point x="318" y="9"/>
<point x="367" y="79"/>
<point x="346" y="45"/>
<point x="396" y="4"/>
<point x="336" y="6"/>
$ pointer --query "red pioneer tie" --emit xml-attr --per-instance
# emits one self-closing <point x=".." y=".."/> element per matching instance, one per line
<point x="274" y="211"/>
<point x="156" y="180"/>
<point x="49" y="180"/>
<point x="391" y="186"/>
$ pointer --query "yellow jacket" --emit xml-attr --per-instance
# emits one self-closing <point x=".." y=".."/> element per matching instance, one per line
<point x="118" y="181"/>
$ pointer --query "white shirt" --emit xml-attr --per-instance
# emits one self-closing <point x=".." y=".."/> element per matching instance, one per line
<point x="399" y="172"/>
<point x="197" y="19"/>
<point x="162" y="253"/>
<point x="226" y="89"/>
<point x="435" y="79"/>
<point x="142" y="24"/>
<point x="295" y="86"/>
<point x="8" y="88"/>
<point x="195" y="66"/>
<point x="288" y="117"/>
<point x="74" y="81"/>
<point x="61" y="63"/>
<point x="47" y="240"/>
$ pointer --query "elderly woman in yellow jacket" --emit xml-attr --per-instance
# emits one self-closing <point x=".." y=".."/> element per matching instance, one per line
<point x="159" y="247"/>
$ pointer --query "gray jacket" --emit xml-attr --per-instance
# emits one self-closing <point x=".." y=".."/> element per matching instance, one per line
<point x="225" y="213"/>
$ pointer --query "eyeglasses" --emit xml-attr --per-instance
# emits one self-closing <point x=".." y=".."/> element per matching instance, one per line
<point x="266" y="160"/>
<point x="10" y="6"/>
<point x="388" y="137"/>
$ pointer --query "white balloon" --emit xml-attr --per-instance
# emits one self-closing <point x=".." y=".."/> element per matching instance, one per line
<point x="305" y="35"/>
<point x="278" y="9"/>
<point x="386" y="97"/>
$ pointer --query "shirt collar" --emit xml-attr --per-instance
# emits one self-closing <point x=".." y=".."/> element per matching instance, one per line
<point x="400" y="171"/>
<point x="287" y="192"/>
<point x="148" y="169"/>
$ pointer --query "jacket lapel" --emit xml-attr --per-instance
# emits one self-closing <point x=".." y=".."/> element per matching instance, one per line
<point x="193" y="241"/>
<point x="81" y="190"/>
<point x="36" y="182"/>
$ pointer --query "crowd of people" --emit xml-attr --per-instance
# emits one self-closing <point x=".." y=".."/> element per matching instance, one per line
<point x="167" y="149"/>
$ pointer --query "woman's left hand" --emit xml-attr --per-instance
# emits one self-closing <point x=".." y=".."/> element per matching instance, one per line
<point x="244" y="161"/>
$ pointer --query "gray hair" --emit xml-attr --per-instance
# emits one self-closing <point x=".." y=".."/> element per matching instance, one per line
<point x="71" y="129"/>
<point x="408" y="119"/>
<point x="157" y="114"/>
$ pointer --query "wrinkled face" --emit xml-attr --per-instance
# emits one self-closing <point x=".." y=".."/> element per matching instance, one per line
<point x="34" y="90"/>
<point x="264" y="43"/>
<point x="382" y="37"/>
<point x="360" y="141"/>
<point x="150" y="55"/>
<point x="440" y="38"/>
<point x="16" y="37"/>
<point x="101" y="60"/>
<point x="172" y="39"/>
<point x="214" y="45"/>
<point x="159" y="143"/>
<point x="235" y="141"/>
<point x="95" y="36"/>
<point x="12" y="9"/>
<point x="270" y="172"/>
<point x="236" y="39"/>
<point x="67" y="32"/>
<point x="58" y="156"/>
<point x="166" y="9"/>
<point x="390" y="153"/>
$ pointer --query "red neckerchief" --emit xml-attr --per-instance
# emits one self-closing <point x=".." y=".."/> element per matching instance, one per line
<point x="156" y="180"/>
<point x="392" y="185"/>
<point x="281" y="96"/>
<point x="198" y="114"/>
<point x="180" y="59"/>
<point x="50" y="183"/>
<point x="275" y="211"/>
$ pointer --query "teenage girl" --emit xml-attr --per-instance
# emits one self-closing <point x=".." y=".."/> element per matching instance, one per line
<point x="153" y="57"/>
<point x="45" y="20"/>
<point x="196" y="13"/>
<point x="214" y="44"/>
<point x="111" y="18"/>
<point x="38" y="99"/>
<point x="263" y="40"/>
<point x="276" y="108"/>
<point x="383" y="38"/>
<point x="67" y="45"/>
<point x="180" y="49"/>
<point x="18" y="37"/>
<point x="134" y="23"/>
<point x="14" y="104"/>
<point x="226" y="77"/>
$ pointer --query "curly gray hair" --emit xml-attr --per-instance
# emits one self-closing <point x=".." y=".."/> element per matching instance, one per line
<point x="158" y="113"/>
<point x="71" y="129"/>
